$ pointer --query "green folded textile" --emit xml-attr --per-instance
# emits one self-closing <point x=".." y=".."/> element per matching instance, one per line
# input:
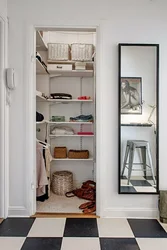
<point x="58" y="118"/>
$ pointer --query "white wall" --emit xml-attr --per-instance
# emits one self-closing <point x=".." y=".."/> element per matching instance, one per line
<point x="3" y="112"/>
<point x="3" y="10"/>
<point x="135" y="21"/>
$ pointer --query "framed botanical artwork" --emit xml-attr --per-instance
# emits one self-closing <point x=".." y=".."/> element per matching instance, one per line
<point x="131" y="95"/>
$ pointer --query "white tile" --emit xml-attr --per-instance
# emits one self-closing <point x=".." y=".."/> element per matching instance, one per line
<point x="47" y="227"/>
<point x="114" y="228"/>
<point x="152" y="244"/>
<point x="145" y="189"/>
<point x="125" y="183"/>
<point x="80" y="244"/>
<point x="137" y="178"/>
<point x="11" y="243"/>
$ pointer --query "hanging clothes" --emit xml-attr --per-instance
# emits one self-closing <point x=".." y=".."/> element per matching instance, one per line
<point x="48" y="159"/>
<point x="41" y="175"/>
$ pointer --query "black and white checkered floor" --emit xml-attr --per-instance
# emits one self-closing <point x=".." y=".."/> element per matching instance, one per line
<point x="81" y="234"/>
<point x="137" y="184"/>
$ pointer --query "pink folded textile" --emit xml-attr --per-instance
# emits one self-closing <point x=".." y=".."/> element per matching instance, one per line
<point x="85" y="133"/>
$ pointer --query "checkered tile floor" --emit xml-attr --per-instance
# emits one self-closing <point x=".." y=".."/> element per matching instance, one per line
<point x="137" y="184"/>
<point x="82" y="234"/>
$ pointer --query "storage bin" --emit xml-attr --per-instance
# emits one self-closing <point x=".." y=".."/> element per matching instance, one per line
<point x="58" y="51"/>
<point x="60" y="152"/>
<point x="81" y="52"/>
<point x="62" y="182"/>
<point x="53" y="67"/>
<point x="78" y="154"/>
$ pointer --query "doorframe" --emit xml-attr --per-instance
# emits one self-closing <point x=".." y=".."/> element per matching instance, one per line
<point x="4" y="122"/>
<point x="31" y="119"/>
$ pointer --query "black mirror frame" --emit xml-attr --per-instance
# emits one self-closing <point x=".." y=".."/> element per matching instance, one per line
<point x="157" y="116"/>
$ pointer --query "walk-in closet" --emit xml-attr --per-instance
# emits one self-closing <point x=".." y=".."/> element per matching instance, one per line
<point x="65" y="119"/>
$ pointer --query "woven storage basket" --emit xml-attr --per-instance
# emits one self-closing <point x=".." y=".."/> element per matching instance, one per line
<point x="58" y="51"/>
<point x="60" y="152"/>
<point x="81" y="52"/>
<point x="62" y="182"/>
<point x="78" y="154"/>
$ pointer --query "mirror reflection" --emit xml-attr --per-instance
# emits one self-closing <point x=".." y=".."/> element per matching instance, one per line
<point x="138" y="91"/>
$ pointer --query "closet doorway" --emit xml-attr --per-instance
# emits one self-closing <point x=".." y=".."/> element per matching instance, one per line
<point x="65" y="65"/>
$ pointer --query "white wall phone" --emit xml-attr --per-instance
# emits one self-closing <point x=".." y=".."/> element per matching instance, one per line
<point x="10" y="84"/>
<point x="10" y="81"/>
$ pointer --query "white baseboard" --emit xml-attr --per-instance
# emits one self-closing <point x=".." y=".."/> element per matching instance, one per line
<point x="17" y="211"/>
<point x="130" y="213"/>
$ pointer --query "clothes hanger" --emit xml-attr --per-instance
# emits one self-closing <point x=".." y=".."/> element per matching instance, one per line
<point x="45" y="144"/>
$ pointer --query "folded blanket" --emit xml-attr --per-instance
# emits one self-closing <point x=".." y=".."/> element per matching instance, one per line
<point x="63" y="130"/>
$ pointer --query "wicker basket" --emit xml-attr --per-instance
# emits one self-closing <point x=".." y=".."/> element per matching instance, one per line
<point x="58" y="51"/>
<point x="60" y="152"/>
<point x="62" y="182"/>
<point x="81" y="52"/>
<point x="78" y="154"/>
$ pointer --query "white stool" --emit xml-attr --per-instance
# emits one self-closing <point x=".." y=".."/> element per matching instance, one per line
<point x="130" y="150"/>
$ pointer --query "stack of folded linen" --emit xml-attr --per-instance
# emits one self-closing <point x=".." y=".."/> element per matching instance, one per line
<point x="62" y="130"/>
<point x="82" y="118"/>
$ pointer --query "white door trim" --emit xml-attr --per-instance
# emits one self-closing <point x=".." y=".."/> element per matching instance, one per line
<point x="4" y="123"/>
<point x="31" y="119"/>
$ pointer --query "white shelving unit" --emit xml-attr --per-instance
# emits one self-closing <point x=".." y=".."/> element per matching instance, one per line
<point x="43" y="99"/>
<point x="40" y="43"/>
<point x="53" y="136"/>
<point x="68" y="159"/>
<point x="77" y="83"/>
<point x="71" y="73"/>
<point x="69" y="62"/>
<point x="71" y="123"/>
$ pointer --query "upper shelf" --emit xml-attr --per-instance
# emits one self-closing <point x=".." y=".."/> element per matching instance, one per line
<point x="40" y="44"/>
<point x="43" y="99"/>
<point x="72" y="73"/>
<point x="40" y="68"/>
<point x="69" y="62"/>
<point x="66" y="122"/>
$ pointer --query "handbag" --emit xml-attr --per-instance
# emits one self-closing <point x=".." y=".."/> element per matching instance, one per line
<point x="87" y="191"/>
<point x="39" y="117"/>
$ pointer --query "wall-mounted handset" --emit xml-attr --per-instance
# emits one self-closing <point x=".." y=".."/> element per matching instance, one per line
<point x="10" y="79"/>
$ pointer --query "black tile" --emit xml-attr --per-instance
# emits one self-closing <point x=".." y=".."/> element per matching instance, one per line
<point x="80" y="228"/>
<point x="139" y="183"/>
<point x="146" y="228"/>
<point x="16" y="227"/>
<point x="42" y="244"/>
<point x="124" y="178"/>
<point x="149" y="178"/>
<point x="118" y="244"/>
<point x="127" y="189"/>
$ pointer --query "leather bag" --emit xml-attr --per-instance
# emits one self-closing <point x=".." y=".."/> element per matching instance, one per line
<point x="87" y="191"/>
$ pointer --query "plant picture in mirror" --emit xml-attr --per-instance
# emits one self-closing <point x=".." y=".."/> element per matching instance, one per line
<point x="131" y="95"/>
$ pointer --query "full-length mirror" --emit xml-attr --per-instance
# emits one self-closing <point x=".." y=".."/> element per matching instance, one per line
<point x="138" y="118"/>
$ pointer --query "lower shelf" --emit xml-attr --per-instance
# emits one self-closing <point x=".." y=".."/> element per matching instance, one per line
<point x="69" y="159"/>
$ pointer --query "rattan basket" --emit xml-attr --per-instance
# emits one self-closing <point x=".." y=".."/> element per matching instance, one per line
<point x="58" y="51"/>
<point x="62" y="182"/>
<point x="78" y="154"/>
<point x="81" y="52"/>
<point x="60" y="152"/>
